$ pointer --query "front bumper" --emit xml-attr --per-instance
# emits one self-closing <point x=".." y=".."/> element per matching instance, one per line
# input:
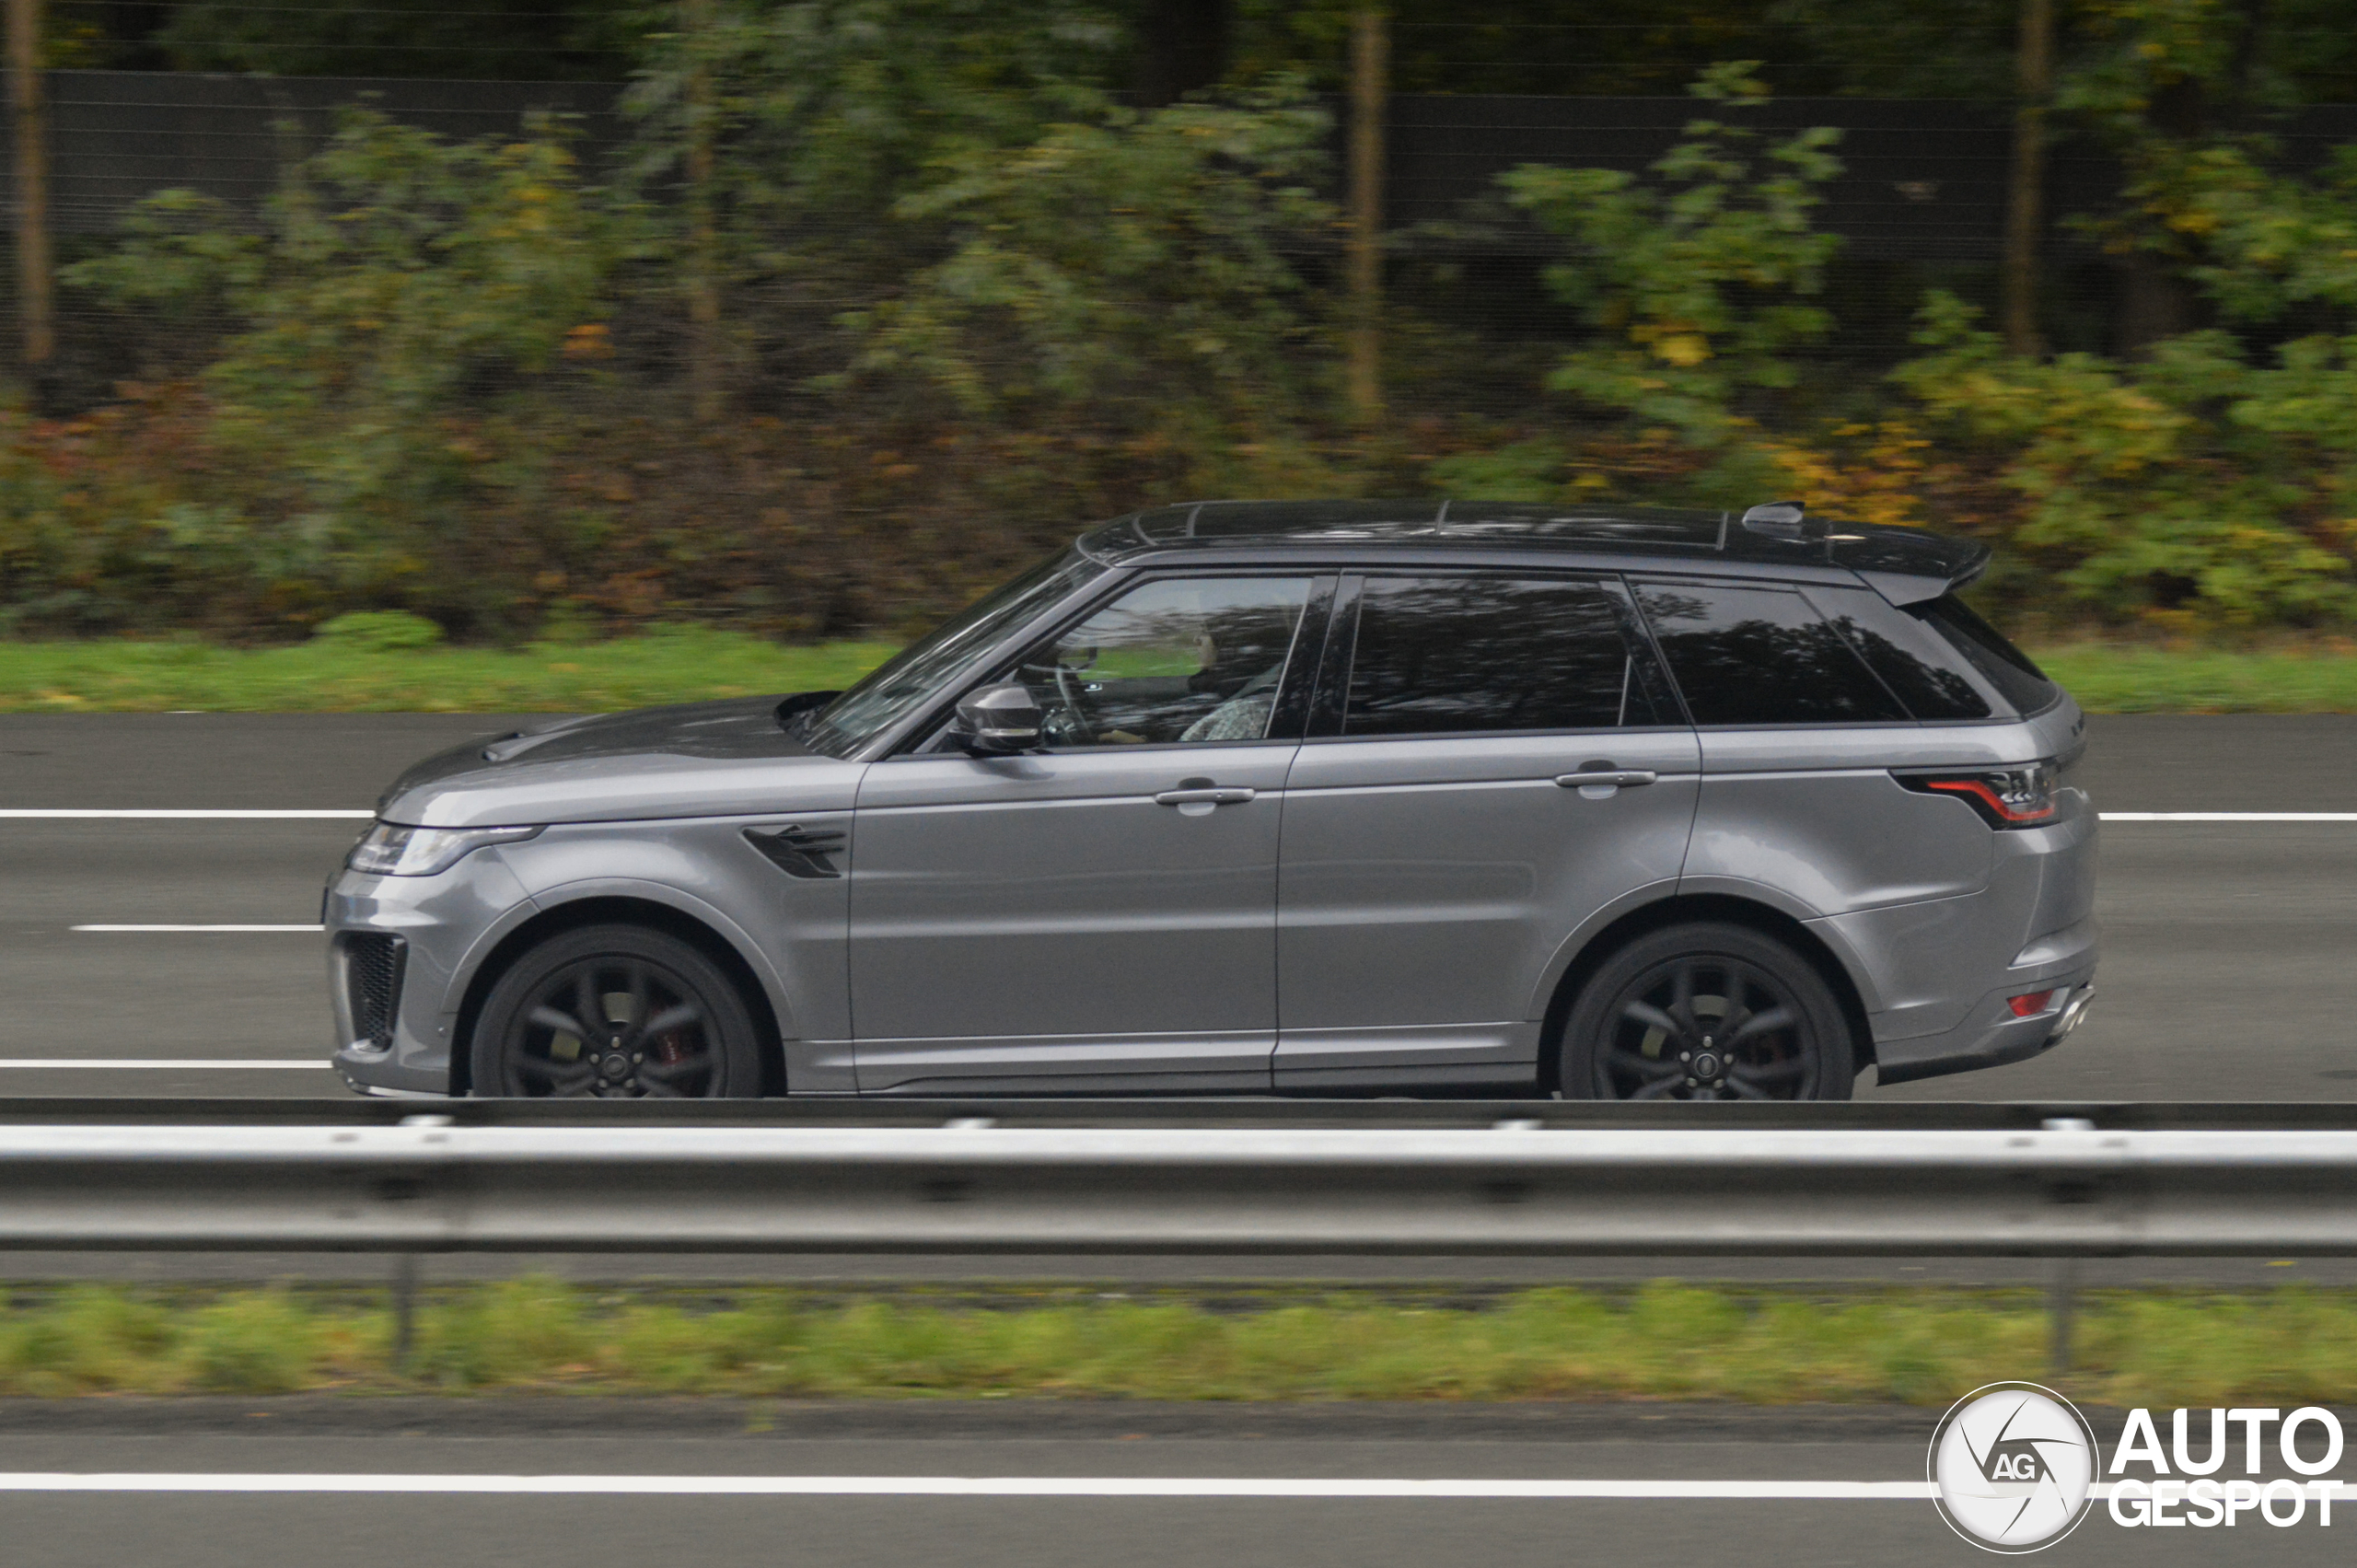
<point x="438" y="924"/>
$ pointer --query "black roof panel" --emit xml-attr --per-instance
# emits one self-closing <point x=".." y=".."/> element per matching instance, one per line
<point x="1878" y="553"/>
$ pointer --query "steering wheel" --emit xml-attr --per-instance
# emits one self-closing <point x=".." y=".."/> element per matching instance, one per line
<point x="1071" y="726"/>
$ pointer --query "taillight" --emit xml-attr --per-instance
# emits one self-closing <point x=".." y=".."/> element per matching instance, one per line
<point x="2029" y="1003"/>
<point x="2006" y="797"/>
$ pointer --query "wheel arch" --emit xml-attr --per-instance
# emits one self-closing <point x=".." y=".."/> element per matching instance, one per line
<point x="1683" y="909"/>
<point x="619" y="909"/>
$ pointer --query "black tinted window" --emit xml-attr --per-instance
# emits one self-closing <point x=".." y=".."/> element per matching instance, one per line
<point x="1761" y="655"/>
<point x="2002" y="665"/>
<point x="1445" y="654"/>
<point x="1922" y="671"/>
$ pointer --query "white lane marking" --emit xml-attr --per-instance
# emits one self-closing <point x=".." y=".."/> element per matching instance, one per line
<point x="969" y="1486"/>
<point x="136" y="1064"/>
<point x="2228" y="816"/>
<point x="151" y="928"/>
<point x="206" y="815"/>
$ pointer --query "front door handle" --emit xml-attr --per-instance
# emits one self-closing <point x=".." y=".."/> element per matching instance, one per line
<point x="1622" y="778"/>
<point x="1204" y="795"/>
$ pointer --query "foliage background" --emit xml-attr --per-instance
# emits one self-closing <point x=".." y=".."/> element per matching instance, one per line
<point x="983" y="277"/>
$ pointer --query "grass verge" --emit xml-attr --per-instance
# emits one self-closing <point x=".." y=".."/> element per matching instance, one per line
<point x="1664" y="1340"/>
<point x="2113" y="678"/>
<point x="689" y="664"/>
<point x="680" y="665"/>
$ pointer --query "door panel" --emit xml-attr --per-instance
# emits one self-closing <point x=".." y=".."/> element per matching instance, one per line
<point x="1428" y="884"/>
<point x="1434" y="866"/>
<point x="1041" y="915"/>
<point x="1104" y="911"/>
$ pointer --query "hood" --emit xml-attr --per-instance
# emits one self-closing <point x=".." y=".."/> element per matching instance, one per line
<point x="690" y="759"/>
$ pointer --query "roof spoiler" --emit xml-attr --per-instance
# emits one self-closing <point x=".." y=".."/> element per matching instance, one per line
<point x="1904" y="566"/>
<point x="1905" y="587"/>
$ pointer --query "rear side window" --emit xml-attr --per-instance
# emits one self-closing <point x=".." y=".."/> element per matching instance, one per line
<point x="1438" y="655"/>
<point x="1751" y="655"/>
<point x="2004" y="665"/>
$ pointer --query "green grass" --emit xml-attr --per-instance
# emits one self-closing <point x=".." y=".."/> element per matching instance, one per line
<point x="671" y="665"/>
<point x="2112" y="678"/>
<point x="689" y="664"/>
<point x="1661" y="1341"/>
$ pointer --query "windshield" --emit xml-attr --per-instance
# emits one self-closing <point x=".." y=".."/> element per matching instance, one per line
<point x="916" y="671"/>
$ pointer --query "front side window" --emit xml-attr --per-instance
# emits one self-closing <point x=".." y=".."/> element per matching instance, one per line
<point x="1177" y="661"/>
<point x="914" y="673"/>
<point x="1446" y="655"/>
<point x="1759" y="655"/>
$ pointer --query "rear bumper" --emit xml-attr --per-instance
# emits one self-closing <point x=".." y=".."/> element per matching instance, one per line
<point x="1992" y="1036"/>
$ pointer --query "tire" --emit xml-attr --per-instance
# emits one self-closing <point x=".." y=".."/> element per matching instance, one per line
<point x="569" y="1018"/>
<point x="1650" y="1024"/>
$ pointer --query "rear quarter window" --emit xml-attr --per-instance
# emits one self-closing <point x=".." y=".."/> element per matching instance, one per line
<point x="1931" y="679"/>
<point x="1761" y="655"/>
<point x="2004" y="665"/>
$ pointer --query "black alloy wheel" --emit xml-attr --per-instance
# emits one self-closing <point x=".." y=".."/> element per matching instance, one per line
<point x="616" y="1011"/>
<point x="1707" y="1012"/>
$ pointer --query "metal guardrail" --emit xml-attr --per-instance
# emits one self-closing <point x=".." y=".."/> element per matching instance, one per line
<point x="1194" y="1176"/>
<point x="1176" y="1111"/>
<point x="973" y="1186"/>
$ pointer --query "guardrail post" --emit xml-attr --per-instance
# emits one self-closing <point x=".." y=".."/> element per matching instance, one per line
<point x="404" y="1309"/>
<point x="2062" y="1304"/>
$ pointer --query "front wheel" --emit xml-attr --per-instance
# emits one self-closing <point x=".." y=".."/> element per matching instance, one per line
<point x="616" y="1011"/>
<point x="1707" y="1011"/>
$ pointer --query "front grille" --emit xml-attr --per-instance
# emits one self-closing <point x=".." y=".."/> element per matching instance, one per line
<point x="372" y="978"/>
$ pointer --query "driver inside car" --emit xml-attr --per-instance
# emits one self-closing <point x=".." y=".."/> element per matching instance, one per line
<point x="1179" y="662"/>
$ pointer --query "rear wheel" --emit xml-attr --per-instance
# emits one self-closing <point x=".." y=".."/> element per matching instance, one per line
<point x="1707" y="1011"/>
<point x="616" y="1011"/>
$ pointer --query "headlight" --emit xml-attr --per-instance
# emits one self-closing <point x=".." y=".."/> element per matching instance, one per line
<point x="390" y="850"/>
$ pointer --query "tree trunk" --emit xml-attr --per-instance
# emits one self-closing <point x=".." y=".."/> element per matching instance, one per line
<point x="703" y="235"/>
<point x="2155" y="302"/>
<point x="35" y="282"/>
<point x="1370" y="94"/>
<point x="2025" y="205"/>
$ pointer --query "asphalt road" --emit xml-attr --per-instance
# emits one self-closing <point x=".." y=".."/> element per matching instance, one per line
<point x="2226" y="975"/>
<point x="649" y="1485"/>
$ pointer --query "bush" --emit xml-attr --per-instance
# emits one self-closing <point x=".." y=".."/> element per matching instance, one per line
<point x="379" y="631"/>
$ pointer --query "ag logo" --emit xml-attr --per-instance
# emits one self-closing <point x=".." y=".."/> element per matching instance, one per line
<point x="2011" y="1465"/>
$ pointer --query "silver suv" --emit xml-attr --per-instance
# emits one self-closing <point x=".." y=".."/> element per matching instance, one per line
<point x="1305" y="797"/>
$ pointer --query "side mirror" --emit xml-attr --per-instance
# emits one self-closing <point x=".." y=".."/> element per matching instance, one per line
<point x="998" y="721"/>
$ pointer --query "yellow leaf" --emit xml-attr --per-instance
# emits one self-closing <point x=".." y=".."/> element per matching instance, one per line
<point x="1684" y="349"/>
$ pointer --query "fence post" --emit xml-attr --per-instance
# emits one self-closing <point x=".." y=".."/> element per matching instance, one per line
<point x="2024" y="204"/>
<point x="1370" y="94"/>
<point x="35" y="299"/>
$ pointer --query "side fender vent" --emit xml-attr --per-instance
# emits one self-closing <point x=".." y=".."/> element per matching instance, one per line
<point x="798" y="851"/>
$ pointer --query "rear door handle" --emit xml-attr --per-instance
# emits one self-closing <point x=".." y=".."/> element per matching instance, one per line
<point x="1626" y="778"/>
<point x="1208" y="796"/>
